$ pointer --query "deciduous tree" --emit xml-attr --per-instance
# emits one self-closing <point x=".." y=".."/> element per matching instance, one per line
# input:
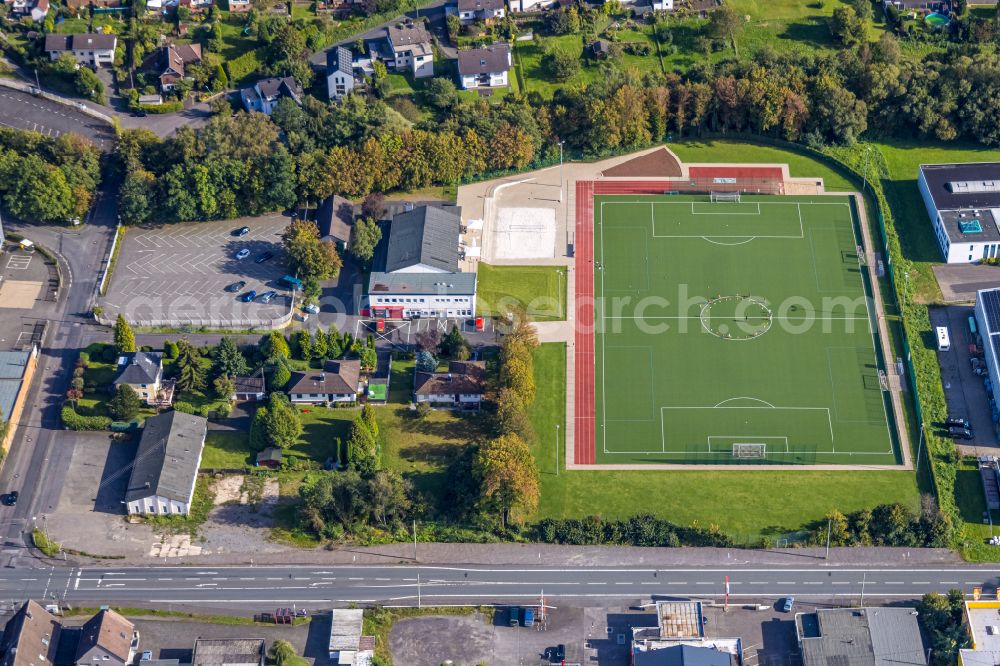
<point x="509" y="478"/>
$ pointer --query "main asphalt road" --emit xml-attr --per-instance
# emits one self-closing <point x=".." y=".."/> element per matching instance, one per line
<point x="325" y="586"/>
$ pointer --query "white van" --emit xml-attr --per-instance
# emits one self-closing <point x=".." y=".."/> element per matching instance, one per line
<point x="943" y="339"/>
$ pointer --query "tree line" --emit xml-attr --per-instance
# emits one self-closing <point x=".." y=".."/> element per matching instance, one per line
<point x="47" y="179"/>
<point x="248" y="163"/>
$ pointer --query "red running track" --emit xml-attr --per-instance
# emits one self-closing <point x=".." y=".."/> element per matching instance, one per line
<point x="584" y="444"/>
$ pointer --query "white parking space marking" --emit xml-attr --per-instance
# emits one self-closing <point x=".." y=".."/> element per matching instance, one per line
<point x="19" y="262"/>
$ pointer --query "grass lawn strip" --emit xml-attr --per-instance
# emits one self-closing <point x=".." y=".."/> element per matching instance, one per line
<point x="539" y="290"/>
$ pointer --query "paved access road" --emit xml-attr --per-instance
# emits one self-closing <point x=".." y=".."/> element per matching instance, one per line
<point x="27" y="112"/>
<point x="318" y="586"/>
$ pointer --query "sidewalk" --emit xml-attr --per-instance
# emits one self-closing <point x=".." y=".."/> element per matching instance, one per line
<point x="547" y="555"/>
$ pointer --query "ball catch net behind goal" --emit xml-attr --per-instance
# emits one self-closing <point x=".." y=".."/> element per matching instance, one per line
<point x="749" y="450"/>
<point x="724" y="197"/>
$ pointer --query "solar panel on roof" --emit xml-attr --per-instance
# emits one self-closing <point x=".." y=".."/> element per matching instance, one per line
<point x="991" y="305"/>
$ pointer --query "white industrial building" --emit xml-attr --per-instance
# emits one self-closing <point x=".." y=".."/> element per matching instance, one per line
<point x="988" y="323"/>
<point x="415" y="271"/>
<point x="963" y="201"/>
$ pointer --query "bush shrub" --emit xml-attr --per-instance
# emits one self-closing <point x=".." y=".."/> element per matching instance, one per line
<point x="73" y="421"/>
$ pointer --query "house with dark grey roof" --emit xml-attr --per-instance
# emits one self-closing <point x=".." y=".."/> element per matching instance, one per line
<point x="107" y="638"/>
<point x="249" y="387"/>
<point x="338" y="381"/>
<point x="335" y="219"/>
<point x="861" y="637"/>
<point x="143" y="371"/>
<point x="264" y="95"/>
<point x="963" y="202"/>
<point x="30" y="637"/>
<point x="409" y="44"/>
<point x="484" y="68"/>
<point x="470" y="11"/>
<point x="91" y="49"/>
<point x="339" y="73"/>
<point x="166" y="464"/>
<point x="463" y="385"/>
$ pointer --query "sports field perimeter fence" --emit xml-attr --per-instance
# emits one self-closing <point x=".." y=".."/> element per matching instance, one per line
<point x="701" y="185"/>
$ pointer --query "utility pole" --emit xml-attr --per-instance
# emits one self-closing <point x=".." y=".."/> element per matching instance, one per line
<point x="557" y="449"/>
<point x="418" y="591"/>
<point x="829" y="524"/>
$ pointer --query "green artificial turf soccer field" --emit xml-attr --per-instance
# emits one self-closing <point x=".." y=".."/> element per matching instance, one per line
<point x="735" y="333"/>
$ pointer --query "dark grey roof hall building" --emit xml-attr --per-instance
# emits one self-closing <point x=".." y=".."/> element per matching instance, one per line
<point x="166" y="464"/>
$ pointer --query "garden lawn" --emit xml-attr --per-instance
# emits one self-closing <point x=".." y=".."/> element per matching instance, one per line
<point x="537" y="77"/>
<point x="235" y="43"/>
<point x="745" y="505"/>
<point x="227" y="449"/>
<point x="420" y="448"/>
<point x="540" y="290"/>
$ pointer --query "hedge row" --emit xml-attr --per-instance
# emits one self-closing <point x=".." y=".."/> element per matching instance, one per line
<point x="639" y="530"/>
<point x="73" y="421"/>
<point x="166" y="107"/>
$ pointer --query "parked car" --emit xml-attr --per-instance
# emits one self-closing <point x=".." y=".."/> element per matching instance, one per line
<point x="263" y="256"/>
<point x="959" y="433"/>
<point x="528" y="617"/>
<point x="515" y="616"/>
<point x="243" y="254"/>
<point x="956" y="423"/>
<point x="560" y="653"/>
<point x="236" y="287"/>
<point x="787" y="605"/>
<point x="267" y="296"/>
<point x="249" y="296"/>
<point x="10" y="499"/>
<point x="312" y="308"/>
<point x="242" y="231"/>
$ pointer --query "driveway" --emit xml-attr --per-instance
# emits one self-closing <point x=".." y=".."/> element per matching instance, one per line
<point x="178" y="273"/>
<point x="960" y="282"/>
<point x="26" y="112"/>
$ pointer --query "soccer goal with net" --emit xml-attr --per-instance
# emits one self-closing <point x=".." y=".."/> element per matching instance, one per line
<point x="749" y="450"/>
<point x="730" y="197"/>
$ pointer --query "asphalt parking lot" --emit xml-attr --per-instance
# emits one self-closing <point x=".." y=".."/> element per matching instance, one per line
<point x="589" y="635"/>
<point x="964" y="391"/>
<point x="178" y="273"/>
<point x="27" y="112"/>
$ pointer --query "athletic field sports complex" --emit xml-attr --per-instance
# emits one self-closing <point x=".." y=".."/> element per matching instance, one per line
<point x="729" y="328"/>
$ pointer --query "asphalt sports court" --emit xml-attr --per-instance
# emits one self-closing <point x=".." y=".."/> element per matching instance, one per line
<point x="735" y="333"/>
